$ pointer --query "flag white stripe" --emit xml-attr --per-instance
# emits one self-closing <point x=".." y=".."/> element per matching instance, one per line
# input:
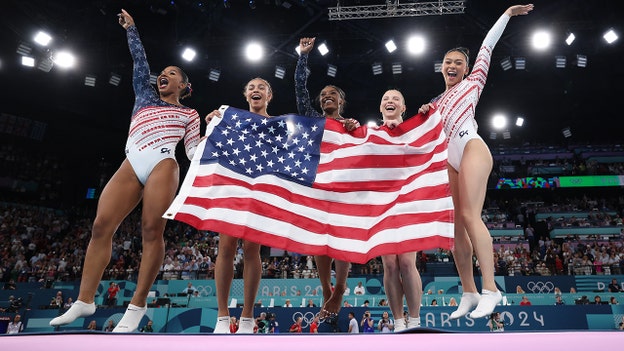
<point x="292" y="232"/>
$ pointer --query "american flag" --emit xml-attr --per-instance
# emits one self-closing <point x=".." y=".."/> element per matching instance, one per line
<point x="306" y="185"/>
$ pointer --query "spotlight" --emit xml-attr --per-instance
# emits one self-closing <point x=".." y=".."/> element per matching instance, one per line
<point x="437" y="66"/>
<point x="377" y="69"/>
<point x="42" y="38"/>
<point x="226" y="4"/>
<point x="24" y="49"/>
<point x="560" y="61"/>
<point x="566" y="132"/>
<point x="520" y="63"/>
<point x="390" y="46"/>
<point x="254" y="52"/>
<point x="64" y="59"/>
<point x="189" y="54"/>
<point x="581" y="61"/>
<point x="541" y="40"/>
<point x="90" y="80"/>
<point x="610" y="36"/>
<point x="45" y="64"/>
<point x="570" y="39"/>
<point x="252" y="4"/>
<point x="115" y="79"/>
<point x="332" y="70"/>
<point x="280" y="72"/>
<point x="214" y="74"/>
<point x="506" y="64"/>
<point x="397" y="68"/>
<point x="416" y="45"/>
<point x="493" y="135"/>
<point x="28" y="61"/>
<point x="323" y="49"/>
<point x="506" y="135"/>
<point x="153" y="78"/>
<point x="519" y="121"/>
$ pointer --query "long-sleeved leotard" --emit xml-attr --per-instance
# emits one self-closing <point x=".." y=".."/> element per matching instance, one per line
<point x="156" y="126"/>
<point x="304" y="105"/>
<point x="457" y="105"/>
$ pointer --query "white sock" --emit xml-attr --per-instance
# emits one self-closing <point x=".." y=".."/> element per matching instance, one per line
<point x="466" y="304"/>
<point x="245" y="325"/>
<point x="487" y="304"/>
<point x="413" y="322"/>
<point x="131" y="319"/>
<point x="399" y="324"/>
<point x="78" y="310"/>
<point x="223" y="325"/>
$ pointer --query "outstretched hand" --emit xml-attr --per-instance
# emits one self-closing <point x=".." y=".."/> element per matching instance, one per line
<point x="125" y="20"/>
<point x="306" y="45"/>
<point x="519" y="10"/>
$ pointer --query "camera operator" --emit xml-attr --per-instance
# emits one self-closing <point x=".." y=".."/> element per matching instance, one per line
<point x="367" y="324"/>
<point x="495" y="323"/>
<point x="385" y="324"/>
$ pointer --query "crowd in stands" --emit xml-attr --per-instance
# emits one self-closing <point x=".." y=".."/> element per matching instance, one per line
<point x="46" y="241"/>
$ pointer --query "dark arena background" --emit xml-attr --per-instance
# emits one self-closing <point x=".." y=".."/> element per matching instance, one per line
<point x="559" y="172"/>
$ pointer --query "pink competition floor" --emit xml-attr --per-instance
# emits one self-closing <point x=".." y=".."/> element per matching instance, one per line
<point x="568" y="341"/>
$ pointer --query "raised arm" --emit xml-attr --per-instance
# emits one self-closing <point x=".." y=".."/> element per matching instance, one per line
<point x="482" y="62"/>
<point x="141" y="71"/>
<point x="304" y="105"/>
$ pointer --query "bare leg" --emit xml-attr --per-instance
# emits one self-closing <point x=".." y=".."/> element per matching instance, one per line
<point x="393" y="285"/>
<point x="252" y="272"/>
<point x="323" y="267"/>
<point x="475" y="169"/>
<point x="412" y="283"/>
<point x="159" y="192"/>
<point x="462" y="252"/>
<point x="224" y="272"/>
<point x="119" y="197"/>
<point x="333" y="304"/>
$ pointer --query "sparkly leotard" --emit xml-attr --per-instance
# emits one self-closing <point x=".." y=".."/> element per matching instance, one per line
<point x="304" y="106"/>
<point x="457" y="105"/>
<point x="156" y="126"/>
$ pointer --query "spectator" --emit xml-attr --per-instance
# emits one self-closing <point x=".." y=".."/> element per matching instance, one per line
<point x="314" y="325"/>
<point x="233" y="324"/>
<point x="495" y="323"/>
<point x="92" y="325"/>
<point x="367" y="323"/>
<point x="190" y="289"/>
<point x="353" y="325"/>
<point x="273" y="324"/>
<point x="614" y="286"/>
<point x="296" y="327"/>
<point x="109" y="326"/>
<point x="148" y="328"/>
<point x="525" y="301"/>
<point x="16" y="326"/>
<point x="111" y="294"/>
<point x="385" y="324"/>
<point x="359" y="289"/>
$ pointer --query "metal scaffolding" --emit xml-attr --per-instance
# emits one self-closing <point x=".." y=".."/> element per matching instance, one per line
<point x="392" y="8"/>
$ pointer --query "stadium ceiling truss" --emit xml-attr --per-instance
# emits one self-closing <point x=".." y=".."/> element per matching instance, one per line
<point x="392" y="8"/>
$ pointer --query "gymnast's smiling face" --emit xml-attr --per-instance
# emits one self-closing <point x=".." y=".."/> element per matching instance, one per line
<point x="454" y="68"/>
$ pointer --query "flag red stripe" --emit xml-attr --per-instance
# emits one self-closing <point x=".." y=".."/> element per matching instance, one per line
<point x="280" y="242"/>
